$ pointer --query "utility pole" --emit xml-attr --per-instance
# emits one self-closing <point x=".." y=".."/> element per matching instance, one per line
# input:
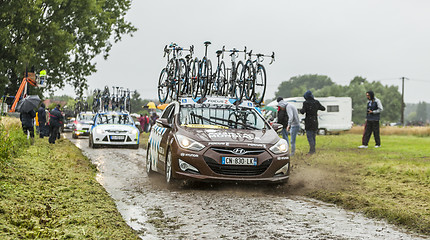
<point x="402" y="120"/>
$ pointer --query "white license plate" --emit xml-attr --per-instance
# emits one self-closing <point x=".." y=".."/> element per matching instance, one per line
<point x="239" y="161"/>
<point x="117" y="137"/>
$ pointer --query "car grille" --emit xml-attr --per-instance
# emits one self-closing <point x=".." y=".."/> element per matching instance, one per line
<point x="237" y="170"/>
<point x="230" y="150"/>
<point x="116" y="131"/>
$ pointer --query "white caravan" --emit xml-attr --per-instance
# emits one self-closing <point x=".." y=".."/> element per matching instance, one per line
<point x="337" y="116"/>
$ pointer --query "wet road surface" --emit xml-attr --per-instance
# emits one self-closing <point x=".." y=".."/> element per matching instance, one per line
<point x="221" y="211"/>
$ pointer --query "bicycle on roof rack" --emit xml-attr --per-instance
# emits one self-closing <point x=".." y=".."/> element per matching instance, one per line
<point x="254" y="77"/>
<point x="232" y="86"/>
<point x="204" y="75"/>
<point x="174" y="75"/>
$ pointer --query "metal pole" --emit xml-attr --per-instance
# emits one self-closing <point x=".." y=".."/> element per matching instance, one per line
<point x="402" y="120"/>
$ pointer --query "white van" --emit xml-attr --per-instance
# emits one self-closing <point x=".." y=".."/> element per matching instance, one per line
<point x="337" y="116"/>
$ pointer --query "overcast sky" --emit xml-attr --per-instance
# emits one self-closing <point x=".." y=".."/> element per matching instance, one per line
<point x="376" y="39"/>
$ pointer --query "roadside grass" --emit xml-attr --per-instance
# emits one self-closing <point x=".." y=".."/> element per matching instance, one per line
<point x="143" y="141"/>
<point x="396" y="130"/>
<point x="50" y="192"/>
<point x="391" y="182"/>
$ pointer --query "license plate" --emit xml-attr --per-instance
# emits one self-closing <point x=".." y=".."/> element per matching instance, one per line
<point x="239" y="161"/>
<point x="117" y="137"/>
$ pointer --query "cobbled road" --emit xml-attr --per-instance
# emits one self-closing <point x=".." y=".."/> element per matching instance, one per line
<point x="221" y="211"/>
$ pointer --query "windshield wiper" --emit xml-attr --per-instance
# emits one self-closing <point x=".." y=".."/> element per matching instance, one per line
<point x="207" y="119"/>
<point x="231" y="122"/>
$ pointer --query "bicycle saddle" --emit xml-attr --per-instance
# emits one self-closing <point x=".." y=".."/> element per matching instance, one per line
<point x="219" y="52"/>
<point x="207" y="43"/>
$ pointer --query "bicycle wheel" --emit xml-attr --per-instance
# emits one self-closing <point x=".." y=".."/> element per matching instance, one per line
<point x="182" y="77"/>
<point x="194" y="78"/>
<point x="221" y="80"/>
<point x="238" y="82"/>
<point x="204" y="78"/>
<point x="163" y="86"/>
<point x="248" y="80"/>
<point x="173" y="67"/>
<point x="259" y="84"/>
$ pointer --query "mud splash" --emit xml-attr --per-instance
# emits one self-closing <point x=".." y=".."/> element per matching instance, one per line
<point x="222" y="211"/>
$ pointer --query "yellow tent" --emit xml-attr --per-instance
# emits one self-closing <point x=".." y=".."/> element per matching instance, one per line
<point x="162" y="106"/>
<point x="151" y="105"/>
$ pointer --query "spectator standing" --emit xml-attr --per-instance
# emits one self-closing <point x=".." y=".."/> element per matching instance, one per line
<point x="27" y="119"/>
<point x="154" y="118"/>
<point x="283" y="117"/>
<point x="142" y="122"/>
<point x="146" y="123"/>
<point x="310" y="108"/>
<point x="293" y="122"/>
<point x="56" y="119"/>
<point x="41" y="113"/>
<point x="374" y="109"/>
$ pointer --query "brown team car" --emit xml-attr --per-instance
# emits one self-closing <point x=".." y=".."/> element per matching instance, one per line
<point x="216" y="140"/>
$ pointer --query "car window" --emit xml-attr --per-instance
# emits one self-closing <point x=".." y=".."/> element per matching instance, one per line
<point x="167" y="111"/>
<point x="86" y="117"/>
<point x="114" y="119"/>
<point x="221" y="116"/>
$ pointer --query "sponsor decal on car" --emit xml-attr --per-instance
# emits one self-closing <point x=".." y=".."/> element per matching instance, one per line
<point x="154" y="143"/>
<point x="231" y="135"/>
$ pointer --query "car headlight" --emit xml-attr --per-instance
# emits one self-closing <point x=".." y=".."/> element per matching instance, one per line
<point x="188" y="143"/>
<point x="100" y="131"/>
<point x="280" y="147"/>
<point x="134" y="131"/>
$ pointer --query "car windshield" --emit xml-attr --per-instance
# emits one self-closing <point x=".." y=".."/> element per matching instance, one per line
<point x="86" y="117"/>
<point x="113" y="118"/>
<point x="220" y="116"/>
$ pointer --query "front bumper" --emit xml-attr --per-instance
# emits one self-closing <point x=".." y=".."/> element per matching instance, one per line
<point x="208" y="162"/>
<point x="113" y="139"/>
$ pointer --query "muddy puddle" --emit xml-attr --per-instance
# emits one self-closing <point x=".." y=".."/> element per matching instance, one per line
<point x="221" y="211"/>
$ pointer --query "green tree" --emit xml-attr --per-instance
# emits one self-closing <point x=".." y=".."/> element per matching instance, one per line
<point x="322" y="86"/>
<point x="61" y="36"/>
<point x="298" y="85"/>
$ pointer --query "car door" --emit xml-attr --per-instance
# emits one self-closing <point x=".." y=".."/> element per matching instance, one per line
<point x="160" y="137"/>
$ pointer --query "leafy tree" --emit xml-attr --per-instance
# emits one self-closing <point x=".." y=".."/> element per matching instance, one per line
<point x="322" y="86"/>
<point x="298" y="85"/>
<point x="61" y="36"/>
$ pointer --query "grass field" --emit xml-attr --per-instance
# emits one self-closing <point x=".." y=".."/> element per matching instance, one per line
<point x="50" y="192"/>
<point x="391" y="182"/>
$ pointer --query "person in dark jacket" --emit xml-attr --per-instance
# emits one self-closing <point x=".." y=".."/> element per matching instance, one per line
<point x="374" y="109"/>
<point x="55" y="121"/>
<point x="42" y="121"/>
<point x="310" y="108"/>
<point x="283" y="117"/>
<point x="27" y="119"/>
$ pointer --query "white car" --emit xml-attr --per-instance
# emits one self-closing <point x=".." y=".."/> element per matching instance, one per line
<point x="114" y="128"/>
<point x="82" y="124"/>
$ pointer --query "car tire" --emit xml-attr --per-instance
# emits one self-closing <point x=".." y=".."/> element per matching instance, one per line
<point x="90" y="142"/>
<point x="148" y="163"/>
<point x="168" y="168"/>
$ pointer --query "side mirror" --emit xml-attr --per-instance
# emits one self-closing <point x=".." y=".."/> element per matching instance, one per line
<point x="277" y="126"/>
<point x="163" y="122"/>
<point x="137" y="123"/>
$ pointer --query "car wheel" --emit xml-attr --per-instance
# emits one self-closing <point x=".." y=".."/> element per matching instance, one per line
<point x="149" y="171"/>
<point x="90" y="142"/>
<point x="168" y="168"/>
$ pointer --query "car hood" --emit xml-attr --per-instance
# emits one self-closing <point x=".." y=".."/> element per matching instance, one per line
<point x="231" y="135"/>
<point x="85" y="122"/>
<point x="115" y="127"/>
